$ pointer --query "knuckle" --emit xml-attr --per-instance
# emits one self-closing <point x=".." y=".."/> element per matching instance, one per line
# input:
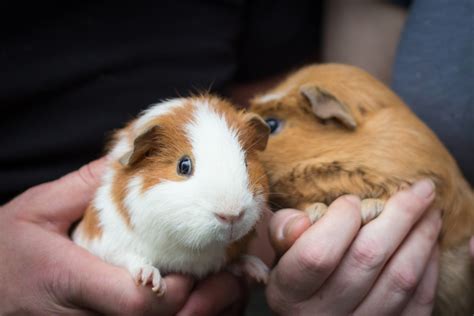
<point x="59" y="280"/>
<point x="316" y="261"/>
<point x="368" y="255"/>
<point x="87" y="174"/>
<point x="404" y="280"/>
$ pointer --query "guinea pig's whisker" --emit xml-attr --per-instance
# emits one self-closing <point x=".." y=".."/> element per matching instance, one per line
<point x="276" y="193"/>
<point x="260" y="178"/>
<point x="277" y="206"/>
<point x="253" y="144"/>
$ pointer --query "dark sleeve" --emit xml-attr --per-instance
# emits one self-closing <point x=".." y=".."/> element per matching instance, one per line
<point x="434" y="73"/>
<point x="402" y="3"/>
<point x="74" y="71"/>
<point x="278" y="35"/>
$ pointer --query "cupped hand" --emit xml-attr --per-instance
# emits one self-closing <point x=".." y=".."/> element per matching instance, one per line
<point x="387" y="267"/>
<point x="42" y="272"/>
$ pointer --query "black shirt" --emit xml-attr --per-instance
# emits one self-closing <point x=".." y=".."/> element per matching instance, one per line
<point x="73" y="72"/>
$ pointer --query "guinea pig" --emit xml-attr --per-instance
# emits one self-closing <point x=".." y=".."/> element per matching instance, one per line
<point x="336" y="130"/>
<point x="182" y="192"/>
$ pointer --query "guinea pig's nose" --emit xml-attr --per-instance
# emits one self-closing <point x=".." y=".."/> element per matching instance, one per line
<point x="229" y="218"/>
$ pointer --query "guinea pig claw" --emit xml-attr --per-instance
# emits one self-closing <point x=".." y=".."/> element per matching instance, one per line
<point x="370" y="209"/>
<point x="148" y="274"/>
<point x="252" y="267"/>
<point x="137" y="277"/>
<point x="160" y="289"/>
<point x="315" y="211"/>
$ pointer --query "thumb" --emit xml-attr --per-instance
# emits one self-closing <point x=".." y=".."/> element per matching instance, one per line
<point x="285" y="228"/>
<point x="64" y="199"/>
<point x="110" y="290"/>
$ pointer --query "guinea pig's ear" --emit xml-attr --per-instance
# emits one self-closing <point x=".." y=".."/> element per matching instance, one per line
<point x="144" y="144"/>
<point x="326" y="106"/>
<point x="260" y="130"/>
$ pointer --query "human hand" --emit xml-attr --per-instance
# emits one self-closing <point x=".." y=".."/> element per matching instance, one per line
<point x="471" y="248"/>
<point x="42" y="272"/>
<point x="218" y="294"/>
<point x="389" y="266"/>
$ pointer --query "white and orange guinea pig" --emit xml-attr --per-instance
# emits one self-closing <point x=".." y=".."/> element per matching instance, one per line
<point x="182" y="192"/>
<point x="336" y="130"/>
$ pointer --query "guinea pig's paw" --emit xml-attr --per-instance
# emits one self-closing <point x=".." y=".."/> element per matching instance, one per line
<point x="148" y="274"/>
<point x="252" y="267"/>
<point x="370" y="209"/>
<point x="315" y="211"/>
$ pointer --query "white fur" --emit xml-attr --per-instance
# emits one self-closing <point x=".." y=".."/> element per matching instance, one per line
<point x="122" y="146"/>
<point x="174" y="226"/>
<point x="155" y="111"/>
<point x="270" y="97"/>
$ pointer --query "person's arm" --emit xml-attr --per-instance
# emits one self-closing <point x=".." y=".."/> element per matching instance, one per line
<point x="363" y="33"/>
<point x="388" y="267"/>
<point x="43" y="272"/>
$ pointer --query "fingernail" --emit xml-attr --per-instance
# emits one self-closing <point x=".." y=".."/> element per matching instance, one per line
<point x="287" y="228"/>
<point x="423" y="189"/>
<point x="353" y="199"/>
<point x="279" y="229"/>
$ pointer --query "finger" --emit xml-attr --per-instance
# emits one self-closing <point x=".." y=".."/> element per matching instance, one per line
<point x="374" y="245"/>
<point x="423" y="299"/>
<point x="90" y="278"/>
<point x="307" y="264"/>
<point x="64" y="199"/>
<point x="178" y="289"/>
<point x="400" y="277"/>
<point x="471" y="248"/>
<point x="214" y="295"/>
<point x="285" y="227"/>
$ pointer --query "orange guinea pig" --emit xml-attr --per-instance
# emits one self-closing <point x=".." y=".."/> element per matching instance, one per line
<point x="337" y="130"/>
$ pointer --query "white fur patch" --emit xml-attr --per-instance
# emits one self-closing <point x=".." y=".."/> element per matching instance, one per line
<point x="122" y="146"/>
<point x="270" y="97"/>
<point x="155" y="111"/>
<point x="220" y="172"/>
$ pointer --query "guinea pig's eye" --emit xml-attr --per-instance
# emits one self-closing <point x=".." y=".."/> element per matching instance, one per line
<point x="185" y="166"/>
<point x="274" y="124"/>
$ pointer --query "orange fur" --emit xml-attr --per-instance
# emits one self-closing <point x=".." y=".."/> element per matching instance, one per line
<point x="91" y="224"/>
<point x="314" y="160"/>
<point x="119" y="191"/>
